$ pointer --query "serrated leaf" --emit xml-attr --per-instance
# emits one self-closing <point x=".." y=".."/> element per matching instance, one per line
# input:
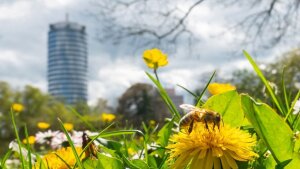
<point x="228" y="104"/>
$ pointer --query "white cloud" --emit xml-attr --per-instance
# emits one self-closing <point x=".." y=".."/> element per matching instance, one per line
<point x="15" y="10"/>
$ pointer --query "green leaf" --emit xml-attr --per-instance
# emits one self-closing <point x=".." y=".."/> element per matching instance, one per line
<point x="152" y="161"/>
<point x="283" y="164"/>
<point x="107" y="162"/>
<point x="140" y="164"/>
<point x="228" y="104"/>
<point x="164" y="134"/>
<point x="90" y="163"/>
<point x="113" y="145"/>
<point x="270" y="127"/>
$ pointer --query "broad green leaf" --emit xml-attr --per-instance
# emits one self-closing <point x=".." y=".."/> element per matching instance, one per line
<point x="107" y="162"/>
<point x="140" y="164"/>
<point x="270" y="127"/>
<point x="113" y="145"/>
<point x="152" y="162"/>
<point x="129" y="163"/>
<point x="228" y="104"/>
<point x="90" y="163"/>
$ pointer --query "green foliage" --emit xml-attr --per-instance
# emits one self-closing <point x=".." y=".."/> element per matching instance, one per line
<point x="273" y="125"/>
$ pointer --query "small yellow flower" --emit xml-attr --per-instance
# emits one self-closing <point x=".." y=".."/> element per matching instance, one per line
<point x="211" y="148"/>
<point x="154" y="58"/>
<point x="218" y="88"/>
<point x="43" y="125"/>
<point x="152" y="122"/>
<point x="131" y="151"/>
<point x="31" y="140"/>
<point x="107" y="117"/>
<point x="52" y="161"/>
<point x="17" y="107"/>
<point x="68" y="126"/>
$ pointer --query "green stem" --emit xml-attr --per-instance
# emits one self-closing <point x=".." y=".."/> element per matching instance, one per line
<point x="156" y="75"/>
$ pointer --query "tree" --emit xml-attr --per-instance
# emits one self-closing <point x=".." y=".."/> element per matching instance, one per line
<point x="153" y="22"/>
<point x="141" y="102"/>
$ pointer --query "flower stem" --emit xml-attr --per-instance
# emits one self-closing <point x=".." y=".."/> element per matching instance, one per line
<point x="155" y="72"/>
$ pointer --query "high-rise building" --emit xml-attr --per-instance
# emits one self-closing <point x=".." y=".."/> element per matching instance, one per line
<point x="67" y="62"/>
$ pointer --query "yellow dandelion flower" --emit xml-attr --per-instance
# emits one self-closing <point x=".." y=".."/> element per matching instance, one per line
<point x="155" y="58"/>
<point x="211" y="148"/>
<point x="68" y="126"/>
<point x="17" y="107"/>
<point x="107" y="117"/>
<point x="218" y="88"/>
<point x="52" y="160"/>
<point x="31" y="140"/>
<point x="43" y="125"/>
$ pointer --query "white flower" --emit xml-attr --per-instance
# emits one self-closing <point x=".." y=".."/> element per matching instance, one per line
<point x="45" y="137"/>
<point x="296" y="107"/>
<point x="58" y="139"/>
<point x="14" y="146"/>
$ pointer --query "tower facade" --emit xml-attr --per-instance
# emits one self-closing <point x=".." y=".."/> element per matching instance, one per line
<point x="67" y="62"/>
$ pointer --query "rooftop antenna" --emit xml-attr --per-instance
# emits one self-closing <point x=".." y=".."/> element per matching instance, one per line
<point x="67" y="17"/>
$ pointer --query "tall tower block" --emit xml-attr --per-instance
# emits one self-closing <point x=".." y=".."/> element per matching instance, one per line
<point x="67" y="62"/>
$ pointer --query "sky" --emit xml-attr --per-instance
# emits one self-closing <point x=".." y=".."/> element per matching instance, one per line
<point x="112" y="69"/>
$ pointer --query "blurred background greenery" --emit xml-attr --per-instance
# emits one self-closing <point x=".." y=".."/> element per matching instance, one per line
<point x="139" y="103"/>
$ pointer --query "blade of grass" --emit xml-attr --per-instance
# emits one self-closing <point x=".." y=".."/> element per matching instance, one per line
<point x="94" y="138"/>
<point x="190" y="92"/>
<point x="18" y="139"/>
<point x="198" y="104"/>
<point x="71" y="144"/>
<point x="292" y="106"/>
<point x="120" y="132"/>
<point x="63" y="160"/>
<point x="163" y="93"/>
<point x="264" y="80"/>
<point x="28" y="147"/>
<point x="6" y="156"/>
<point x="82" y="119"/>
<point x="284" y="90"/>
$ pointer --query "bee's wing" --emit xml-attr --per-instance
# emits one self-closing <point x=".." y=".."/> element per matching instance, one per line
<point x="188" y="107"/>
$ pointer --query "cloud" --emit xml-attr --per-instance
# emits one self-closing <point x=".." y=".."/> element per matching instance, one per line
<point x="112" y="69"/>
<point x="15" y="10"/>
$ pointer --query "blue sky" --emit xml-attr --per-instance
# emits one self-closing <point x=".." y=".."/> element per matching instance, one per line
<point x="112" y="69"/>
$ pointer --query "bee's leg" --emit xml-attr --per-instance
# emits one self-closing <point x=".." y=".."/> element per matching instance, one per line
<point x="191" y="126"/>
<point x="206" y="126"/>
<point x="214" y="125"/>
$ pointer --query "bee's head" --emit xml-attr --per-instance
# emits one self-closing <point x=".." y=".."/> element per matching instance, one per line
<point x="218" y="118"/>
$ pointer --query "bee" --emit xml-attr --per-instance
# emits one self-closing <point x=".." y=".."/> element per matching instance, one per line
<point x="92" y="149"/>
<point x="199" y="115"/>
